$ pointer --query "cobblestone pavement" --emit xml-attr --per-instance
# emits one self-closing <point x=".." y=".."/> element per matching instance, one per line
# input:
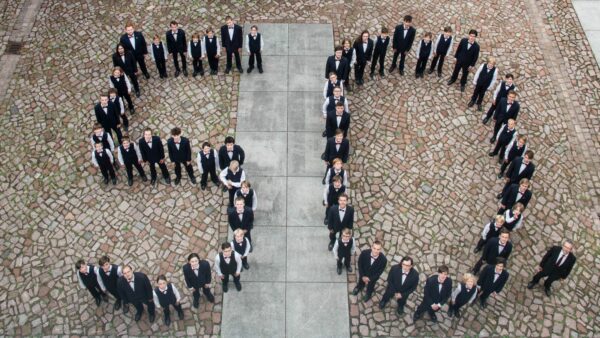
<point x="421" y="180"/>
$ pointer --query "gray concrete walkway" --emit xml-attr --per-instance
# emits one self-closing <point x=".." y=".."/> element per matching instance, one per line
<point x="588" y="12"/>
<point x="291" y="289"/>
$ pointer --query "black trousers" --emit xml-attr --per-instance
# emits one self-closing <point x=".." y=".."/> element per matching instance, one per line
<point x="478" y="265"/>
<point x="359" y="70"/>
<point x="478" y="94"/>
<point x="421" y="65"/>
<point x="107" y="171"/>
<point x="127" y="98"/>
<point x="455" y="307"/>
<point x="129" y="169"/>
<point x="142" y="63"/>
<point x="236" y="280"/>
<point x="258" y="60"/>
<point x="498" y="125"/>
<point x="161" y="65"/>
<point x="503" y="166"/>
<point x="213" y="176"/>
<point x="177" y="55"/>
<point x="378" y="58"/>
<point x="465" y="73"/>
<point x="438" y="60"/>
<point x="402" y="59"/>
<point x="499" y="149"/>
<point x="188" y="168"/>
<point x="551" y="278"/>
<point x="167" y="311"/>
<point x="485" y="294"/>
<point x="425" y="308"/>
<point x="197" y="64"/>
<point x="232" y="192"/>
<point x="139" y="307"/>
<point x="96" y="291"/>
<point x="213" y="62"/>
<point x="370" y="285"/>
<point x="334" y="235"/>
<point x="205" y="291"/>
<point x="389" y="294"/>
<point x="117" y="131"/>
<point x="238" y="61"/>
<point x="115" y="294"/>
<point x="346" y="260"/>
<point x="134" y="81"/>
<point x="125" y="120"/>
<point x="480" y="244"/>
<point x="163" y="169"/>
<point x="490" y="111"/>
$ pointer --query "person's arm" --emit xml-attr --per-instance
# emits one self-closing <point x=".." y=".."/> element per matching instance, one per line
<point x="353" y="61"/>
<point x="218" y="49"/>
<point x="189" y="49"/>
<point x="325" y="89"/>
<point x="455" y="292"/>
<point x="110" y="156"/>
<point x="346" y="106"/>
<point x="509" y="147"/>
<point x="342" y="86"/>
<point x="128" y="83"/>
<point x="238" y="260"/>
<point x="519" y="224"/>
<point x="495" y="96"/>
<point x="155" y="297"/>
<point x="353" y="248"/>
<point x="188" y="282"/>
<point x="176" y="292"/>
<point x="111" y="143"/>
<point x="476" y="45"/>
<point x="486" y="229"/>
<point x="328" y="175"/>
<point x="80" y="280"/>
<point x="472" y="297"/>
<point x="217" y="160"/>
<point x="152" y="53"/>
<point x="254" y="201"/>
<point x="418" y="50"/>
<point x="242" y="157"/>
<point x="218" y="266"/>
<point x="199" y="161"/>
<point x="94" y="162"/>
<point x="324" y="110"/>
<point x="120" y="156"/>
<point x="242" y="179"/>
<point x="476" y="77"/>
<point x="335" y="249"/>
<point x="494" y="78"/>
<point x="262" y="43"/>
<point x="325" y="193"/>
<point x="248" y="247"/>
<point x="450" y="46"/>
<point x="223" y="176"/>
<point x="345" y="182"/>
<point x="247" y="44"/>
<point x="435" y="43"/>
<point x="504" y="126"/>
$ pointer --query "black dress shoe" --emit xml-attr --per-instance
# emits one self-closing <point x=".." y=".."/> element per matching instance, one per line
<point x="450" y="82"/>
<point x="203" y="186"/>
<point x="201" y="73"/>
<point x="168" y="180"/>
<point x="485" y="120"/>
<point x="227" y="70"/>
<point x="132" y="111"/>
<point x="440" y="74"/>
<point x="177" y="180"/>
<point x="382" y="304"/>
<point x="415" y="317"/>
<point x="349" y="269"/>
<point x="125" y="309"/>
<point x="138" y="316"/>
<point x="479" y="108"/>
<point x="185" y="73"/>
<point x="482" y="305"/>
<point x="225" y="287"/>
<point x="499" y="196"/>
<point x="168" y="321"/>
<point x="499" y="176"/>
<point x="194" y="74"/>
<point x="330" y="246"/>
<point x="324" y="133"/>
<point x="491" y="154"/>
<point x="147" y="76"/>
<point x="530" y="285"/>
<point x="462" y="88"/>
<point x="476" y="250"/>
<point x="260" y="70"/>
<point x="250" y="70"/>
<point x="117" y="305"/>
<point x="238" y="286"/>
<point x="492" y="139"/>
<point x="98" y="301"/>
<point x="325" y="221"/>
<point x="458" y="314"/>
<point x="193" y="180"/>
<point x="246" y="265"/>
<point x="153" y="181"/>
<point x="400" y="311"/>
<point x="450" y="312"/>
<point x="130" y="181"/>
<point x="196" y="302"/>
<point x="402" y="72"/>
<point x="430" y="71"/>
<point x="434" y="318"/>
<point x="144" y="179"/>
<point x="137" y="94"/>
<point x="241" y="70"/>
<point x="339" y="270"/>
<point x="382" y="74"/>
<point x="105" y="181"/>
<point x="210" y="297"/>
<point x="471" y="104"/>
<point x="114" y="181"/>
<point x="392" y="68"/>
<point x="355" y="291"/>
<point x="372" y="74"/>
<point x="180" y="314"/>
<point x="151" y="317"/>
<point x="548" y="292"/>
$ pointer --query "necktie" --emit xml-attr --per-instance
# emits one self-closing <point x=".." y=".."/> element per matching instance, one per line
<point x="560" y="260"/>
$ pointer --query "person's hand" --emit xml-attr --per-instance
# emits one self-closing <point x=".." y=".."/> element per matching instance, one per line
<point x="207" y="286"/>
<point x="538" y="269"/>
<point x="395" y="50"/>
<point x="435" y="307"/>
<point x="222" y="277"/>
<point x="239" y="50"/>
<point x="237" y="274"/>
<point x="177" y="302"/>
<point x="145" y="161"/>
<point x="494" y="102"/>
<point x="398" y="295"/>
<point x="330" y="231"/>
<point x="189" y="162"/>
<point x="507" y="179"/>
<point x="150" y="300"/>
<point x="140" y="162"/>
<point x="365" y="279"/>
<point x="245" y="231"/>
<point x="471" y="68"/>
<point x="434" y="54"/>
<point x="505" y="161"/>
<point x="161" y="161"/>
<point x="494" y="294"/>
<point x="119" y="125"/>
<point x="502" y="206"/>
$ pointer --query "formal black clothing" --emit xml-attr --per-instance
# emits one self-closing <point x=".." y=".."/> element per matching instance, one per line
<point x="331" y="124"/>
<point x="167" y="298"/>
<point x="553" y="268"/>
<point x="130" y="160"/>
<point x="232" y="45"/>
<point x="128" y="63"/>
<point x="139" y="51"/>
<point x="139" y="295"/>
<point x="514" y="151"/>
<point x="348" y="55"/>
<point x="195" y="50"/>
<point x="514" y="173"/>
<point x="504" y="113"/>
<point x="463" y="297"/>
<point x="492" y="232"/>
<point x="105" y="164"/>
<point x="212" y="52"/>
<point x="503" y="139"/>
<point x="254" y="44"/>
<point x="395" y="285"/>
<point x="90" y="281"/>
<point x="502" y="93"/>
<point x="332" y="151"/>
<point x="402" y="44"/>
<point x="333" y="194"/>
<point x="491" y="251"/>
<point x="433" y="294"/>
<point x="487" y="283"/>
<point x="509" y="199"/>
<point x="423" y="56"/>
<point x="177" y="46"/>
<point x="371" y="270"/>
<point x="362" y="56"/>
<point x="379" y="50"/>
<point x="209" y="166"/>
<point x="120" y="85"/>
<point x="486" y="75"/>
<point x="153" y="155"/>
<point x="342" y="68"/>
<point x="465" y="57"/>
<point x="344" y="252"/>
<point x="181" y="156"/>
<point x="110" y="280"/>
<point x="335" y="224"/>
<point x="198" y="279"/>
<point x="237" y="154"/>
<point x="108" y="118"/>
<point x="246" y="223"/>
<point x="159" y="58"/>
<point x="248" y="199"/>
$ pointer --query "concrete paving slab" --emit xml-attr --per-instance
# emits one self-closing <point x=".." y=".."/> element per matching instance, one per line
<point x="262" y="111"/>
<point x="266" y="153"/>
<point x="268" y="260"/>
<point x="308" y="73"/>
<point x="272" y="197"/>
<point x="275" y="37"/>
<point x="304" y="203"/>
<point x="311" y="40"/>
<point x="274" y="78"/>
<point x="304" y="155"/>
<point x="588" y="13"/>
<point x="304" y="111"/>
<point x="593" y="38"/>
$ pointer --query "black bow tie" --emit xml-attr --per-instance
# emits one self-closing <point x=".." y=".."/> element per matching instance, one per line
<point x="342" y="210"/>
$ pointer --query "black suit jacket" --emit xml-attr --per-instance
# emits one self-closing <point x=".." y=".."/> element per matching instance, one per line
<point x="486" y="279"/>
<point x="403" y="44"/>
<point x="502" y="115"/>
<point x="238" y="155"/>
<point x="203" y="278"/>
<point x="235" y="43"/>
<point x="247" y="222"/>
<point x="548" y="263"/>
<point x="432" y="294"/>
<point x="179" y="46"/>
<point x="510" y="197"/>
<point x="363" y="56"/>
<point x="143" y="289"/>
<point x="108" y="120"/>
<point x="490" y="251"/>
<point x="141" y="47"/>
<point x="373" y="271"/>
<point x="464" y="56"/>
<point x="331" y="153"/>
<point x="513" y="170"/>
<point x="333" y="218"/>
<point x="129" y="66"/>
<point x="341" y="70"/>
<point x="184" y="154"/>
<point x="155" y="154"/>
<point x="395" y="281"/>
<point x="331" y="124"/>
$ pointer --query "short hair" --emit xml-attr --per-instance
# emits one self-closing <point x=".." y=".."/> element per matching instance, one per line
<point x="147" y="129"/>
<point x="501" y="260"/>
<point x="499" y="219"/>
<point x="126" y="266"/>
<point x="384" y="30"/>
<point x="519" y="206"/>
<point x="161" y="277"/>
<point x="113" y="91"/>
<point x="119" y="45"/>
<point x="346" y="231"/>
<point x="522" y="137"/>
<point x="511" y="92"/>
<point x="98" y="143"/>
<point x="443" y="268"/>
<point x="97" y="126"/>
<point x="427" y="35"/>
<point x="509" y="76"/>
<point x="79" y="264"/>
<point x="407" y="259"/>
<point x="529" y="153"/>
<point x="568" y="241"/>
<point x="240" y="199"/>
<point x="209" y="30"/>
<point x="448" y="29"/>
<point x="491" y="59"/>
<point x="176" y="131"/>
<point x="193" y="255"/>
<point x="339" y="132"/>
<point x="377" y="242"/>
<point x="238" y="232"/>
<point x="472" y="31"/>
<point x="344" y="195"/>
<point x="229" y="139"/>
<point x="119" y="69"/>
<point x="125" y="139"/>
<point x="156" y="36"/>
<point x="234" y="164"/>
<point x="228" y="18"/>
<point x="407" y="18"/>
<point x="129" y="24"/>
<point x="468" y="277"/>
<point x="196" y="35"/>
<point x="524" y="181"/>
<point x="338" y="48"/>
<point x="337" y="178"/>
<point x="206" y="144"/>
<point x="173" y="22"/>
<point x="339" y="104"/>
<point x="346" y="40"/>
<point x="103" y="260"/>
<point x="332" y="73"/>
<point x="504" y="231"/>
<point x="254" y="26"/>
<point x="336" y="161"/>
<point x="225" y="245"/>
<point x="246" y="184"/>
<point x="104" y="94"/>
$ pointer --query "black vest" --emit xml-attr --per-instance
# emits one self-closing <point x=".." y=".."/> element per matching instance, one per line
<point x="503" y="91"/>
<point x="248" y="198"/>
<point x="381" y="44"/>
<point x="159" y="52"/>
<point x="344" y="250"/>
<point x="196" y="50"/>
<point x="332" y="195"/>
<point x="230" y="268"/>
<point x="110" y="282"/>
<point x="207" y="163"/>
<point x="211" y="47"/>
<point x="116" y="102"/>
<point x="241" y="249"/>
<point x="442" y="46"/>
<point x="89" y="280"/>
<point x="485" y="76"/>
<point x="104" y="140"/>
<point x="348" y="54"/>
<point x="129" y="156"/>
<point x="492" y="231"/>
<point x="331" y="103"/>
<point x="425" y="50"/>
<point x="332" y="175"/>
<point x="254" y="44"/>
<point x="506" y="135"/>
<point x="331" y="86"/>
<point x="237" y="177"/>
<point x="515" y="151"/>
<point x="510" y="226"/>
<point x="120" y="85"/>
<point x="103" y="161"/>
<point x="166" y="299"/>
<point x="463" y="297"/>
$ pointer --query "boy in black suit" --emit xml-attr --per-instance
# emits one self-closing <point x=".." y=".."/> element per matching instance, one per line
<point x="86" y="275"/>
<point x="438" y="289"/>
<point x="228" y="262"/>
<point x="211" y="50"/>
<point x="331" y="195"/>
<point x="197" y="276"/>
<point x="507" y="108"/>
<point x="208" y="163"/>
<point x="518" y="169"/>
<point x="177" y="46"/>
<point x="340" y="216"/>
<point x="379" y="50"/>
<point x="501" y="92"/>
<point x="495" y="247"/>
<point x="344" y="249"/>
<point x="232" y="40"/>
<point x="113" y="97"/>
<point x="135" y="288"/>
<point x="232" y="178"/>
<point x="441" y="48"/>
<point x="180" y="152"/>
<point x="241" y="217"/>
<point x="337" y="64"/>
<point x="404" y="36"/>
<point x="107" y="116"/>
<point x="330" y="102"/>
<point x="254" y="46"/>
<point x="517" y="193"/>
<point x="402" y="281"/>
<point x="159" y="53"/>
<point x="423" y="54"/>
<point x="505" y="136"/>
<point x="465" y="293"/>
<point x="196" y="53"/>
<point x="135" y="42"/>
<point x="336" y="147"/>
<point x="466" y="56"/>
<point x="103" y="159"/>
<point x="125" y="59"/>
<point x="556" y="264"/>
<point x="371" y="264"/>
<point x="153" y="153"/>
<point x="516" y="148"/>
<point x="490" y="230"/>
<point x="129" y="156"/>
<point x="492" y="280"/>
<point x="108" y="274"/>
<point x="339" y="119"/>
<point x="229" y="152"/>
<point x="363" y="47"/>
<point x="120" y="82"/>
<point x="165" y="295"/>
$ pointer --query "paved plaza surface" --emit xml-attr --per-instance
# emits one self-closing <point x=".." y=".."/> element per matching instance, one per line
<point x="420" y="177"/>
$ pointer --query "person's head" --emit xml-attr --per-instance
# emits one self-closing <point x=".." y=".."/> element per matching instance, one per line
<point x="98" y="130"/>
<point x="508" y="79"/>
<point x="195" y="37"/>
<point x="523" y="185"/>
<point x="125" y="142"/>
<point x="238" y="234"/>
<point x="338" y="50"/>
<point x="226" y="248"/>
<point x="469" y="280"/>
<point x="127" y="272"/>
<point x="447" y="31"/>
<point x="337" y="163"/>
<point x="99" y="147"/>
<point x="384" y="32"/>
<point x="499" y="221"/>
<point x="254" y="29"/>
<point x="176" y="133"/>
<point x="511" y="96"/>
<point x="521" y="140"/>
<point x="472" y="35"/>
<point x="112" y="93"/>
<point x="504" y="236"/>
<point x="148" y="134"/>
<point x="343" y="200"/>
<point x="239" y="204"/>
<point x="194" y="260"/>
<point x="443" y="272"/>
<point x="117" y="72"/>
<point x="337" y="181"/>
<point x="339" y="136"/>
<point x="234" y="166"/>
<point x="333" y="77"/>
<point x="129" y="29"/>
<point x="206" y="148"/>
<point x="245" y="186"/>
<point x="376" y="248"/>
<point x="406" y="263"/>
<point x="103" y="99"/>
<point x="511" y="123"/>
<point x="210" y="33"/>
<point x="156" y="39"/>
<point x="427" y="37"/>
<point x="229" y="21"/>
<point x="339" y="109"/>
<point x="81" y="266"/>
<point x="567" y="246"/>
<point x="528" y="156"/>
<point x="518" y="208"/>
<point x="120" y="49"/>
<point x="174" y="25"/>
<point x="161" y="282"/>
<point x="229" y="143"/>
<point x="407" y="20"/>
<point x="346" y="234"/>
<point x="500" y="264"/>
<point x="346" y="44"/>
<point x="491" y="62"/>
<point x="364" y="36"/>
<point x="104" y="263"/>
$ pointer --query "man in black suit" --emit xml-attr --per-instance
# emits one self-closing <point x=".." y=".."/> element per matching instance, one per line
<point x="134" y="42"/>
<point x="500" y="246"/>
<point x="86" y="275"/>
<point x="556" y="264"/>
<point x="229" y="152"/>
<point x="339" y="119"/>
<point x="402" y="281"/>
<point x="506" y="109"/>
<point x="135" y="288"/>
<point x="153" y="152"/>
<point x="492" y="280"/>
<point x="232" y="41"/>
<point x="371" y="264"/>
<point x="515" y="193"/>
<point x="241" y="217"/>
<point x="208" y="163"/>
<point x="340" y="216"/>
<point x="180" y="152"/>
<point x="438" y="289"/>
<point x="108" y="275"/>
<point x="380" y="47"/>
<point x="337" y="64"/>
<point x="466" y="56"/>
<point x="363" y="47"/>
<point x="177" y="46"/>
<point x="198" y="276"/>
<point x="336" y="147"/>
<point x="107" y="116"/>
<point x="518" y="169"/>
<point x="404" y="36"/>
<point x="126" y="60"/>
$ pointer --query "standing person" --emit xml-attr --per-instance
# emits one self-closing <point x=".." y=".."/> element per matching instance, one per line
<point x="441" y="48"/>
<point x="438" y="289"/>
<point x="382" y="41"/>
<point x="108" y="274"/>
<point x="350" y="56"/>
<point x="254" y="47"/>
<point x="464" y="294"/>
<point x="501" y="92"/>
<point x="197" y="276"/>
<point x="159" y="54"/>
<point x="241" y="217"/>
<point x="135" y="288"/>
<point x="208" y="163"/>
<point x="556" y="264"/>
<point x="513" y="218"/>
<point x="423" y="54"/>
<point x="86" y="275"/>
<point x="232" y="178"/>
<point x="232" y="41"/>
<point x="336" y="147"/>
<point x="492" y="280"/>
<point x="228" y="262"/>
<point x="343" y="250"/>
<point x="341" y="216"/>
<point x="195" y="52"/>
<point x="402" y="281"/>
<point x="153" y="153"/>
<point x="494" y="248"/>
<point x="518" y="169"/>
<point x="404" y="36"/>
<point x="505" y="136"/>
<point x="107" y="116"/>
<point x="211" y="50"/>
<point x="363" y="47"/>
<point x="331" y="195"/>
<point x="371" y="264"/>
<point x="516" y="148"/>
<point x="177" y="46"/>
<point x="125" y="59"/>
<point x="466" y="56"/>
<point x="129" y="156"/>
<point x="337" y="64"/>
<point x="103" y="159"/>
<point x="331" y="84"/>
<point x="117" y="102"/>
<point x="490" y="230"/>
<point x="134" y="42"/>
<point x="516" y="193"/>
<point x="337" y="169"/>
<point x="119" y="81"/>
<point x="507" y="108"/>
<point x="248" y="194"/>
<point x="484" y="80"/>
<point x="230" y="152"/>
<point x="180" y="152"/>
<point x="242" y="246"/>
<point x="337" y="120"/>
<point x="165" y="295"/>
<point x="331" y="101"/>
<point x="99" y="135"/>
